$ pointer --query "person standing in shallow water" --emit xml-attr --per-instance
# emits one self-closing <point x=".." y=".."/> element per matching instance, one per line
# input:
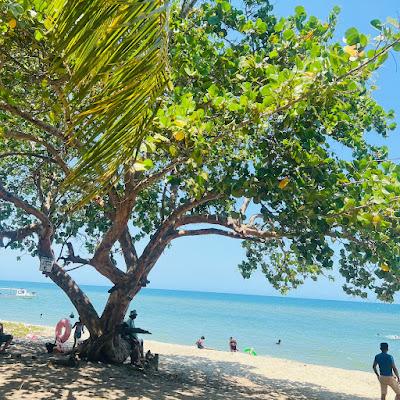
<point x="386" y="368"/>
<point x="232" y="344"/>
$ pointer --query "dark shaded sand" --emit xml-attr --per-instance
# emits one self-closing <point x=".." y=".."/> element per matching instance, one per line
<point x="185" y="373"/>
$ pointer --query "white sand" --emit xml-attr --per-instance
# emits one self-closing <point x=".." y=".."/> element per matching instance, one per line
<point x="288" y="379"/>
<point x="185" y="373"/>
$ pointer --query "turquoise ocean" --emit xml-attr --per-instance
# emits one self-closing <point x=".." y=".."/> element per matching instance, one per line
<point x="344" y="334"/>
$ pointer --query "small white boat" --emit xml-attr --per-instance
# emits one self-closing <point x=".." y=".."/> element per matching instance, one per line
<point x="20" y="293"/>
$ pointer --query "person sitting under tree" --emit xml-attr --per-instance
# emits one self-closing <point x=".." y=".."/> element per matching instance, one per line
<point x="137" y="353"/>
<point x="4" y="338"/>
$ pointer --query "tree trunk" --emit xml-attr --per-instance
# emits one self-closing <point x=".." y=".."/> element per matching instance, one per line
<point x="108" y="348"/>
<point x="115" y="309"/>
<point x="105" y="343"/>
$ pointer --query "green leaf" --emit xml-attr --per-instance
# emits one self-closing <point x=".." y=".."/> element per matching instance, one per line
<point x="300" y="10"/>
<point x="352" y="36"/>
<point x="226" y="7"/>
<point x="377" y="24"/>
<point x="382" y="58"/>
<point x="363" y="40"/>
<point x="244" y="100"/>
<point x="48" y="24"/>
<point x="288" y="34"/>
<point x="261" y="26"/>
<point x="280" y="25"/>
<point x="148" y="163"/>
<point x="214" y="20"/>
<point x="38" y="35"/>
<point x="273" y="54"/>
<point x="396" y="47"/>
<point x="173" y="150"/>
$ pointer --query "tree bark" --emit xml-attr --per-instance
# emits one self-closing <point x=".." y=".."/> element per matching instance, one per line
<point x="115" y="309"/>
<point x="78" y="298"/>
<point x="109" y="346"/>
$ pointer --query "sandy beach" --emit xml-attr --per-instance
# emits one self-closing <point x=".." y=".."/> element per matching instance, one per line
<point x="184" y="373"/>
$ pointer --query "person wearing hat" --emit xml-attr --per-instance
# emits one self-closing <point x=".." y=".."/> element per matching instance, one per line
<point x="137" y="343"/>
<point x="131" y="323"/>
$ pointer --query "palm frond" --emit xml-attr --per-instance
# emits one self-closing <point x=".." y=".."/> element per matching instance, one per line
<point x="116" y="52"/>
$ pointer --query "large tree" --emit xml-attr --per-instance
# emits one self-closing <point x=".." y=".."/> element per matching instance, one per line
<point x="243" y="145"/>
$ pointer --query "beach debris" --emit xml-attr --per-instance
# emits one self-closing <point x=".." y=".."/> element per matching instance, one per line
<point x="250" y="351"/>
<point x="71" y="361"/>
<point x="151" y="360"/>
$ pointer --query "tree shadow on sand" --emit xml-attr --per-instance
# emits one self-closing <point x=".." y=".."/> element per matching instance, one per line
<point x="179" y="378"/>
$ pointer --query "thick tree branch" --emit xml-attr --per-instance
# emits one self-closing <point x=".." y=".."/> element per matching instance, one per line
<point x="18" y="234"/>
<point x="27" y="154"/>
<point x="72" y="257"/>
<point x="164" y="235"/>
<point x="81" y="302"/>
<point x="245" y="204"/>
<point x="204" y="219"/>
<point x="128" y="250"/>
<point x="208" y="231"/>
<point x="31" y="138"/>
<point x="28" y="117"/>
<point x="247" y="231"/>
<point x="103" y="265"/>
<point x="45" y="201"/>
<point x="119" y="221"/>
<point x="253" y="218"/>
<point x="119" y="224"/>
<point x="19" y="203"/>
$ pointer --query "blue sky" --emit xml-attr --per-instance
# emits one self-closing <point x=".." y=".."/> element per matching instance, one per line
<point x="210" y="263"/>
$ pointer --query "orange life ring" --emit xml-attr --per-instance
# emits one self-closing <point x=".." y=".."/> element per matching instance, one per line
<point x="63" y="330"/>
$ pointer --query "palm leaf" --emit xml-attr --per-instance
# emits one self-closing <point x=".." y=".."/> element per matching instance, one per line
<point x="116" y="52"/>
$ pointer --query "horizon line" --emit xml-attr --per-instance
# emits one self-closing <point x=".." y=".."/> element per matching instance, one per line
<point x="350" y="300"/>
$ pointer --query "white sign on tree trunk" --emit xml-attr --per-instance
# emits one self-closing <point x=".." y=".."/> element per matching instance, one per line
<point x="46" y="264"/>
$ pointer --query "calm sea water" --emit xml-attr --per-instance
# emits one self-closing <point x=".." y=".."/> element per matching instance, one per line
<point x="336" y="333"/>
